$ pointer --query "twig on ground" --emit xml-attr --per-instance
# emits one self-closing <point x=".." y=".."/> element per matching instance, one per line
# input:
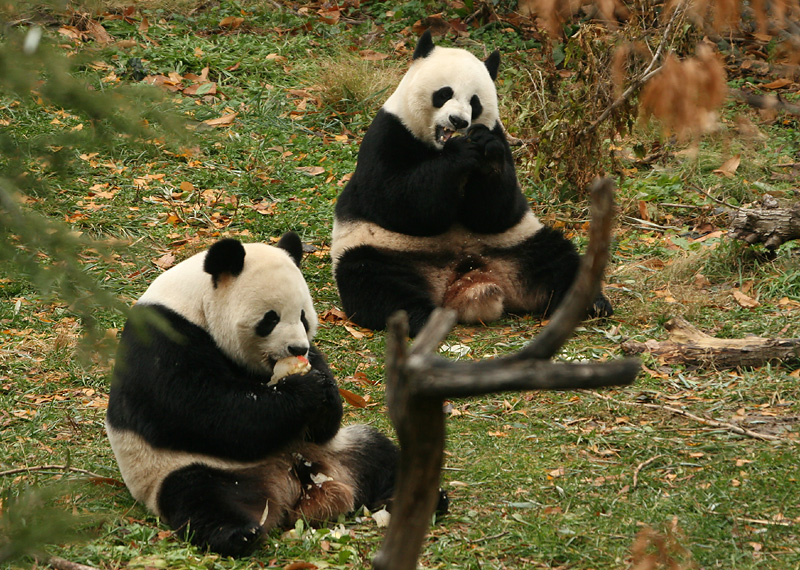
<point x="62" y="564"/>
<point x="50" y="468"/>
<point x="488" y="538"/>
<point x="767" y="102"/>
<point x="717" y="200"/>
<point x="706" y="421"/>
<point x="641" y="466"/>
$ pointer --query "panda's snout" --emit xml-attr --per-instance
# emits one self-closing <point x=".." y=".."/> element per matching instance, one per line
<point x="297" y="349"/>
<point x="457" y="122"/>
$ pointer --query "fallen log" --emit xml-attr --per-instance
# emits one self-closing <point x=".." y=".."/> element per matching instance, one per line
<point x="771" y="223"/>
<point x="688" y="345"/>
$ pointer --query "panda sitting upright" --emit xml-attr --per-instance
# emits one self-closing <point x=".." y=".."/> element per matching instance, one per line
<point x="434" y="216"/>
<point x="205" y="434"/>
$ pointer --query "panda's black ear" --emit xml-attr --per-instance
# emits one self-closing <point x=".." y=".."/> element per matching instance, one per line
<point x="224" y="257"/>
<point x="424" y="46"/>
<point x="290" y="242"/>
<point x="493" y="64"/>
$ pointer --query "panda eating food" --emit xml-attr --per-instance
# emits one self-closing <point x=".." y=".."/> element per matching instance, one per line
<point x="207" y="433"/>
<point x="434" y="215"/>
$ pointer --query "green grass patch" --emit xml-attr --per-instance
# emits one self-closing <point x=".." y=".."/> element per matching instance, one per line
<point x="274" y="109"/>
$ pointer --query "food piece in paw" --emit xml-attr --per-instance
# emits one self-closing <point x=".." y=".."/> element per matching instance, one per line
<point x="288" y="366"/>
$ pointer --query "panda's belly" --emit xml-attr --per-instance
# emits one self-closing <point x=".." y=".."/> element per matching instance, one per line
<point x="145" y="467"/>
<point x="455" y="245"/>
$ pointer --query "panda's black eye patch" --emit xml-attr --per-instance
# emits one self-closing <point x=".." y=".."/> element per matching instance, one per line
<point x="303" y="320"/>
<point x="477" y="108"/>
<point x="442" y="96"/>
<point x="267" y="323"/>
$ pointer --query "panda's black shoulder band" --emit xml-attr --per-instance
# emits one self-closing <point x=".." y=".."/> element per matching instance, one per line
<point x="424" y="46"/>
<point x="290" y="242"/>
<point x="225" y="256"/>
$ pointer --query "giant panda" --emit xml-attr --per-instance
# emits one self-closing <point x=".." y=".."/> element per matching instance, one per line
<point x="433" y="214"/>
<point x="204" y="433"/>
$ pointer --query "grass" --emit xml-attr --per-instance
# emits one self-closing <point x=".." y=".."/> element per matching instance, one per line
<point x="537" y="480"/>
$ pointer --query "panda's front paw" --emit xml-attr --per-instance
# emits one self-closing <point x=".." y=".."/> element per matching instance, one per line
<point x="491" y="148"/>
<point x="462" y="154"/>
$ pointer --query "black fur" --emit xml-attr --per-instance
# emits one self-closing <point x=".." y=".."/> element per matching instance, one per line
<point x="215" y="508"/>
<point x="493" y="64"/>
<point x="225" y="256"/>
<point x="169" y="384"/>
<point x="373" y="284"/>
<point x="291" y="243"/>
<point x="424" y="45"/>
<point x="410" y="187"/>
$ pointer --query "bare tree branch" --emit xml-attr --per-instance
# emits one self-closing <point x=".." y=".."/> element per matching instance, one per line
<point x="637" y="82"/>
<point x="705" y="421"/>
<point x="418" y="381"/>
<point x="440" y="377"/>
<point x="572" y="309"/>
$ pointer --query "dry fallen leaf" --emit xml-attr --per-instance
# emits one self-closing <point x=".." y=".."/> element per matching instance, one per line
<point x="372" y="55"/>
<point x="311" y="170"/>
<point x="300" y="566"/>
<point x="777" y="84"/>
<point x="744" y="300"/>
<point x="231" y="22"/>
<point x="353" y="399"/>
<point x="728" y="168"/>
<point x="332" y="316"/>
<point x="224" y="120"/>
<point x="357" y="334"/>
<point x="165" y="261"/>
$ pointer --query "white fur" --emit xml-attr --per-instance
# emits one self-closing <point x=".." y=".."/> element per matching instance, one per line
<point x="456" y="68"/>
<point x="457" y="241"/>
<point x="269" y="281"/>
<point x="145" y="467"/>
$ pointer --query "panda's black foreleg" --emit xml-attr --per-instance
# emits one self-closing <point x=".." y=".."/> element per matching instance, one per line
<point x="548" y="264"/>
<point x="214" y="508"/>
<point x="373" y="285"/>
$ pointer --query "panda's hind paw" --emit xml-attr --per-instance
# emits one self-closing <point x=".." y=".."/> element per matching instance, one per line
<point x="601" y="307"/>
<point x="236" y="541"/>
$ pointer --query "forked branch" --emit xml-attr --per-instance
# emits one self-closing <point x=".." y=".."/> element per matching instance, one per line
<point x="418" y="381"/>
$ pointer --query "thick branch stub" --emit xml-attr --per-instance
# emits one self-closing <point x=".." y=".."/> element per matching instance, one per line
<point x="419" y="422"/>
<point x="586" y="287"/>
<point x="439" y="325"/>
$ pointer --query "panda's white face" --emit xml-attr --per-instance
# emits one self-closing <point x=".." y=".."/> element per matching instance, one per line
<point x="444" y="92"/>
<point x="263" y="314"/>
<point x="255" y="304"/>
